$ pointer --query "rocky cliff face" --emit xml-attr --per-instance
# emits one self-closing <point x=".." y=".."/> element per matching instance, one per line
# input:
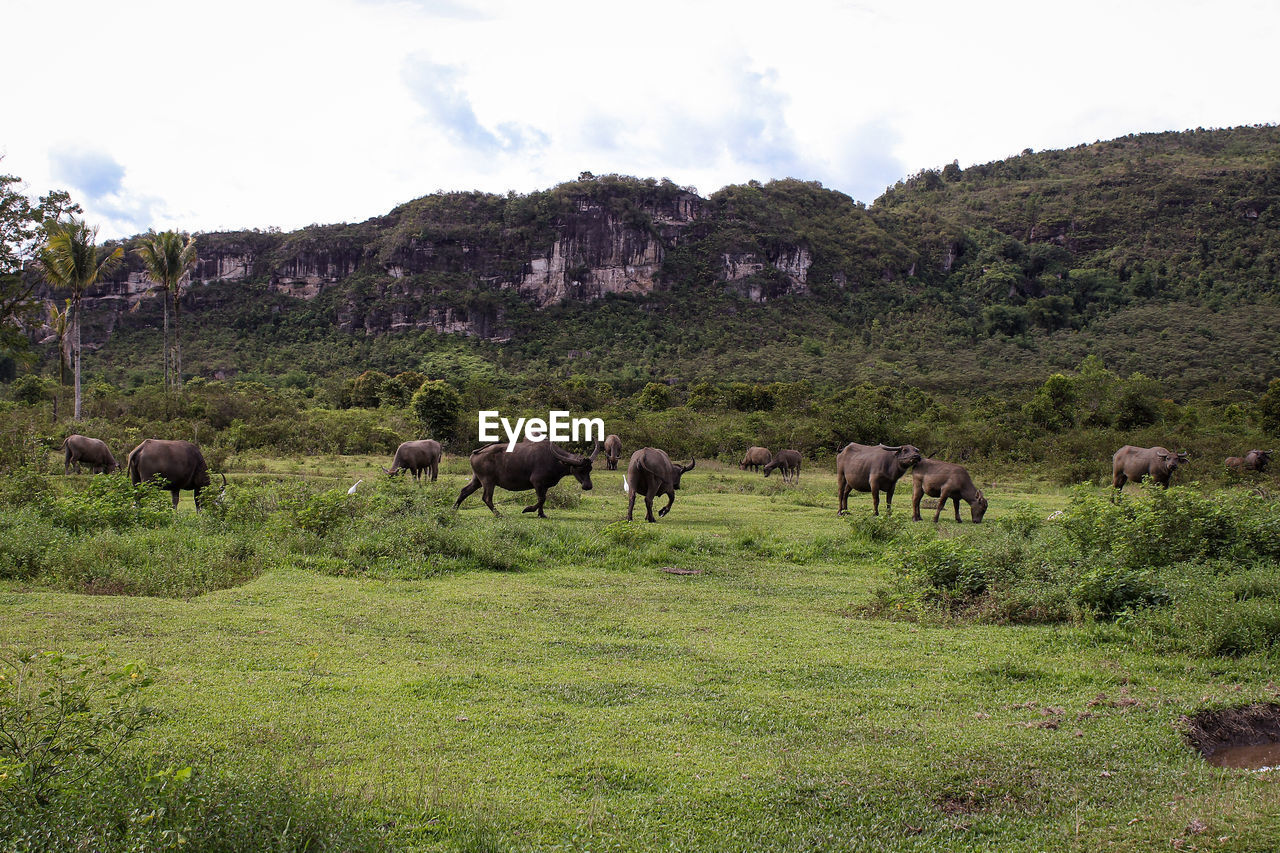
<point x="597" y="244"/>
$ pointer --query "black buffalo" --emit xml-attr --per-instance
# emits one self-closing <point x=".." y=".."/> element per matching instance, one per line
<point x="536" y="465"/>
<point x="1134" y="463"/>
<point x="80" y="450"/>
<point x="652" y="473"/>
<point x="873" y="469"/>
<point x="179" y="463"/>
<point x="612" y="452"/>
<point x="789" y="462"/>
<point x="945" y="481"/>
<point x="1254" y="460"/>
<point x="417" y="457"/>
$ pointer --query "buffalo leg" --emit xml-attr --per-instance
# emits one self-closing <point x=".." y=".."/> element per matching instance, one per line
<point x="631" y="504"/>
<point x="648" y="508"/>
<point x="435" y="469"/>
<point x="467" y="490"/>
<point x="917" y="492"/>
<point x="174" y="494"/>
<point x="843" y="494"/>
<point x="671" y="498"/>
<point x="541" y="492"/>
<point x="487" y="497"/>
<point x="888" y="498"/>
<point x="955" y="500"/>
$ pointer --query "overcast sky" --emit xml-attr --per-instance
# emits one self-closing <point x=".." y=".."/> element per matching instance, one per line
<point x="254" y="113"/>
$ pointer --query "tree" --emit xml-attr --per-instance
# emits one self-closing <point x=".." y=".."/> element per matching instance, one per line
<point x="655" y="397"/>
<point x="1269" y="408"/>
<point x="168" y="258"/>
<point x="366" y="389"/>
<point x="438" y="406"/>
<point x="70" y="260"/>
<point x="1053" y="408"/>
<point x="58" y="320"/>
<point x="21" y="229"/>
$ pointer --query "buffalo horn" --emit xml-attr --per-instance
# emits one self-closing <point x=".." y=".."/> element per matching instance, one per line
<point x="565" y="456"/>
<point x="595" y="451"/>
<point x="893" y="449"/>
<point x="692" y="461"/>
<point x="224" y="482"/>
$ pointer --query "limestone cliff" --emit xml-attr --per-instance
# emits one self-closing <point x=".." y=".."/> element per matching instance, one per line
<point x="444" y="262"/>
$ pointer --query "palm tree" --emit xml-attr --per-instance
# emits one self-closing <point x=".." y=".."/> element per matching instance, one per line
<point x="70" y="259"/>
<point x="168" y="258"/>
<point x="58" y="321"/>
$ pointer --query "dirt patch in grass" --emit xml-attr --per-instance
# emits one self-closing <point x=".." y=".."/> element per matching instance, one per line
<point x="1217" y="733"/>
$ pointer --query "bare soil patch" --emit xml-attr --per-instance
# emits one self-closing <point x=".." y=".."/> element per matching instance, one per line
<point x="1247" y="736"/>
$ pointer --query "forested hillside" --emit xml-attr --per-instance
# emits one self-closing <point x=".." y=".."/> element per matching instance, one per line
<point x="1158" y="253"/>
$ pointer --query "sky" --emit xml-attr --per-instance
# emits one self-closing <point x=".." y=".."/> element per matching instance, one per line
<point x="202" y="116"/>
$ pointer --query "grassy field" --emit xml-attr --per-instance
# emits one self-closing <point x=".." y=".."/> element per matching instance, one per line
<point x="584" y="696"/>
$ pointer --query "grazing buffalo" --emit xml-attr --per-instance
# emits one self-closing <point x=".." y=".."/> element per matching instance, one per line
<point x="1134" y="463"/>
<point x="789" y="462"/>
<point x="536" y="465"/>
<point x="417" y="457"/>
<point x="756" y="456"/>
<point x="651" y="473"/>
<point x="872" y="469"/>
<point x="180" y="463"/>
<point x="80" y="449"/>
<point x="612" y="452"/>
<point x="1254" y="460"/>
<point x="943" y="480"/>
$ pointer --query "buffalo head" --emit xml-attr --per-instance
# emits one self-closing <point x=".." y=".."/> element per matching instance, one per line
<point x="978" y="508"/>
<point x="680" y="470"/>
<point x="907" y="454"/>
<point x="579" y="466"/>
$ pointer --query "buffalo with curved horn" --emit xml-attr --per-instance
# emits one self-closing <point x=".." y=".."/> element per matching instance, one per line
<point x="536" y="465"/>
<point x="180" y="465"/>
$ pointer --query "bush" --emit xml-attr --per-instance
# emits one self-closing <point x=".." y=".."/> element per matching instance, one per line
<point x="438" y="406"/>
<point x="62" y="717"/>
<point x="150" y="805"/>
<point x="111" y="502"/>
<point x="1196" y="572"/>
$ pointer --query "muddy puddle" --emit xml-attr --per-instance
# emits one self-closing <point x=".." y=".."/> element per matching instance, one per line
<point x="1244" y="738"/>
<point x="1262" y="756"/>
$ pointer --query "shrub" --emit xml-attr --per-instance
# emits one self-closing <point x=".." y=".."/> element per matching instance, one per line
<point x="1110" y="590"/>
<point x="438" y="406"/>
<point x="61" y="717"/>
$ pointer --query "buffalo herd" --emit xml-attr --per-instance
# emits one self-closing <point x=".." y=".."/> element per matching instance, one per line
<point x="540" y="465"/>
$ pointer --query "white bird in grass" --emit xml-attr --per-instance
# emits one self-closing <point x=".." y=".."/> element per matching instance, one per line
<point x="626" y="488"/>
<point x="352" y="490"/>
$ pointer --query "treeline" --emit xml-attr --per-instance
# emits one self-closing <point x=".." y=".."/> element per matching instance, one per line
<point x="1067" y="427"/>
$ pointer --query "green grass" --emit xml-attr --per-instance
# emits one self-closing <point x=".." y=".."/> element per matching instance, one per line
<point x="588" y="699"/>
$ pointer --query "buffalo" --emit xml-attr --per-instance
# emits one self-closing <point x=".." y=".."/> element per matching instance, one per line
<point x="1134" y="463"/>
<point x="612" y="452"/>
<point x="756" y="456"/>
<point x="80" y="449"/>
<point x="536" y="465"/>
<point x="179" y="463"/>
<point x="945" y="480"/>
<point x="872" y="469"/>
<point x="789" y="462"/>
<point x="417" y="457"/>
<point x="652" y="473"/>
<point x="1254" y="460"/>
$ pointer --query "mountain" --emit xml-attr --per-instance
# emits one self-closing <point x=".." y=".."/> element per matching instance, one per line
<point x="1157" y="252"/>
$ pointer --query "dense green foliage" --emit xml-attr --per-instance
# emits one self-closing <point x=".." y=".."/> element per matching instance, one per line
<point x="1156" y="252"/>
<point x="1182" y="570"/>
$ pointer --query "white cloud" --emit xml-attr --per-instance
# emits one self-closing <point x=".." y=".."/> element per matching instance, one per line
<point x="335" y="110"/>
